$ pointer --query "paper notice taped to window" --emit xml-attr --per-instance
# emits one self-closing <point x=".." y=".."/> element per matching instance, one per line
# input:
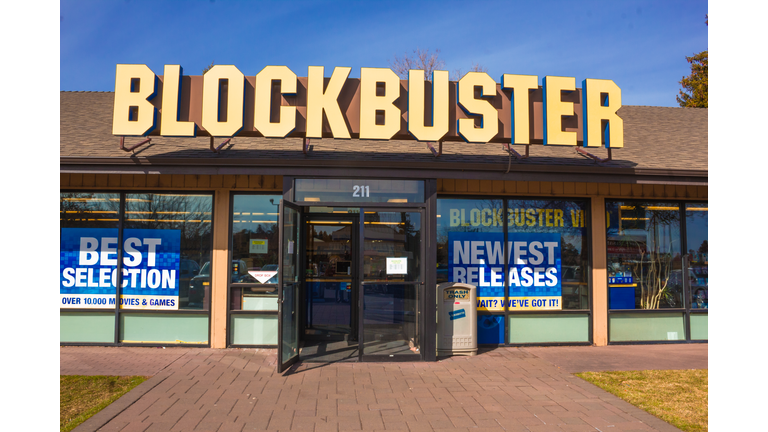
<point x="397" y="266"/>
<point x="258" y="246"/>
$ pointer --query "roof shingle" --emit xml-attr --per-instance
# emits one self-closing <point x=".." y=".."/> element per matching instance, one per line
<point x="655" y="138"/>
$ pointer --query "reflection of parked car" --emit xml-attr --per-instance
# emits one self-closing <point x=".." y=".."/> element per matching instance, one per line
<point x="187" y="270"/>
<point x="201" y="283"/>
<point x="571" y="273"/>
<point x="271" y="267"/>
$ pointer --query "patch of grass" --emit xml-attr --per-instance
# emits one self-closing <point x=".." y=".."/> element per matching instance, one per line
<point x="679" y="397"/>
<point x="83" y="396"/>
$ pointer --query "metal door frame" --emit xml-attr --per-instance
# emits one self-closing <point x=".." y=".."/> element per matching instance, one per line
<point x="422" y="295"/>
<point x="283" y="364"/>
<point x="354" y="253"/>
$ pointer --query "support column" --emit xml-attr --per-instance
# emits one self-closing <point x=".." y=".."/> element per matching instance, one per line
<point x="220" y="268"/>
<point x="599" y="273"/>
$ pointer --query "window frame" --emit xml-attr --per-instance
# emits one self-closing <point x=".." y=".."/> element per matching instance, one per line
<point x="505" y="229"/>
<point x="686" y="310"/>
<point x="231" y="285"/>
<point x="122" y="193"/>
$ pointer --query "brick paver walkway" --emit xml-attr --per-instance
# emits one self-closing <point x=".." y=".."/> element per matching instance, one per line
<point x="127" y="361"/>
<point x="238" y="390"/>
<point x="625" y="357"/>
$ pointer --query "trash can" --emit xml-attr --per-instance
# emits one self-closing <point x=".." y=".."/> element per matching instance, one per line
<point x="456" y="319"/>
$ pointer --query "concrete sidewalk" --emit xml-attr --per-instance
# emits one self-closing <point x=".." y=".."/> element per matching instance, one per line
<point x="513" y="389"/>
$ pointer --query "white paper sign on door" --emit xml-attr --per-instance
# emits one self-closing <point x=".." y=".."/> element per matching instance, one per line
<point x="397" y="266"/>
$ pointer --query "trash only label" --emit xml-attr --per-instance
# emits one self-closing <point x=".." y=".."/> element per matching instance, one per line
<point x="456" y="294"/>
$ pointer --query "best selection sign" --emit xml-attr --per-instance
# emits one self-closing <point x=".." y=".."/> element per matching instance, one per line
<point x="88" y="265"/>
<point x="379" y="105"/>
<point x="534" y="269"/>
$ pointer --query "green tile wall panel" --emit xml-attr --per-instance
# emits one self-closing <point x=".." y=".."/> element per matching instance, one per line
<point x="253" y="329"/>
<point x="629" y="326"/>
<point x="163" y="328"/>
<point x="699" y="327"/>
<point x="87" y="327"/>
<point x="548" y="328"/>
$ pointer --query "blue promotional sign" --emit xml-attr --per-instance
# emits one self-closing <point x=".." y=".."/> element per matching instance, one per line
<point x="490" y="329"/>
<point x="150" y="275"/>
<point x="534" y="269"/>
<point x="461" y="313"/>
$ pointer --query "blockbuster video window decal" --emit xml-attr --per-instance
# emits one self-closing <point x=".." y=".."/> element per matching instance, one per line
<point x="276" y="103"/>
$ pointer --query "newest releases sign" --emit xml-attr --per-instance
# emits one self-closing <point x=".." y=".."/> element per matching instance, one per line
<point x="276" y="103"/>
<point x="534" y="269"/>
<point x="88" y="266"/>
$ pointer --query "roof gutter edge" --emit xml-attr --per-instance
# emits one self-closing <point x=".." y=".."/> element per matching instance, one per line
<point x="502" y="168"/>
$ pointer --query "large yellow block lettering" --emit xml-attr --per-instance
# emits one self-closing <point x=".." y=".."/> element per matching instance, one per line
<point x="223" y="82"/>
<point x="416" y="104"/>
<point x="372" y="105"/>
<point x="133" y="113"/>
<point x="169" y="114"/>
<point x="263" y="102"/>
<point x="490" y="116"/>
<point x="555" y="109"/>
<point x="602" y="99"/>
<point x="521" y="85"/>
<point x="326" y="101"/>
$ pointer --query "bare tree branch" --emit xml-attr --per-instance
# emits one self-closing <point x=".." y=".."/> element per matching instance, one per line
<point x="459" y="74"/>
<point x="419" y="59"/>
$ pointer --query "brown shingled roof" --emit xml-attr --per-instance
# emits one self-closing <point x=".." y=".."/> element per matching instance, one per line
<point x="669" y="140"/>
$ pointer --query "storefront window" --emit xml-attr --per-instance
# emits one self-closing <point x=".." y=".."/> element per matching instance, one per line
<point x="255" y="251"/>
<point x="88" y="250"/>
<point x="549" y="257"/>
<point x="167" y="251"/>
<point x="644" y="255"/>
<point x="470" y="234"/>
<point x="165" y="245"/>
<point x="466" y="220"/>
<point x="696" y="230"/>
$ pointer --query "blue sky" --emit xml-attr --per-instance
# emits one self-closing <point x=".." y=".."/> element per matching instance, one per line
<point x="641" y="45"/>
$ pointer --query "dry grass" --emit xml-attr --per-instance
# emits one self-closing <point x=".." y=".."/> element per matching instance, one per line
<point x="678" y="397"/>
<point x="83" y="396"/>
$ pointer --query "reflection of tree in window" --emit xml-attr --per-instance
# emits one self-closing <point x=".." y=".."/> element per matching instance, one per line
<point x="89" y="210"/>
<point x="190" y="214"/>
<point x="241" y="245"/>
<point x="648" y="236"/>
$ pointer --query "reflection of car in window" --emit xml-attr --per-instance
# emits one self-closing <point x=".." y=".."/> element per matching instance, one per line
<point x="201" y="283"/>
<point x="271" y="267"/>
<point x="571" y="273"/>
<point x="187" y="270"/>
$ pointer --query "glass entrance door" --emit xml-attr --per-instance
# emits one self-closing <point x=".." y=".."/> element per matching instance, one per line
<point x="289" y="284"/>
<point x="331" y="281"/>
<point x="357" y="283"/>
<point x="392" y="285"/>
